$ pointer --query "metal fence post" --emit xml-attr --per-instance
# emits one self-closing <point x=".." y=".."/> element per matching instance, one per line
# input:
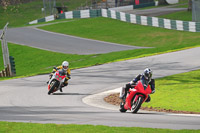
<point x="5" y="52"/>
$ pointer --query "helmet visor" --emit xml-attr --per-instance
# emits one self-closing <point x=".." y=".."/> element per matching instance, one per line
<point x="65" y="67"/>
<point x="148" y="75"/>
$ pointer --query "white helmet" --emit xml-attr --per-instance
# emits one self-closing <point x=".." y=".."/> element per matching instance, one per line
<point x="65" y="65"/>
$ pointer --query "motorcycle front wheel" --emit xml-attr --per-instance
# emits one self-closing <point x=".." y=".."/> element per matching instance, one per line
<point x="53" y="84"/>
<point x="136" y="105"/>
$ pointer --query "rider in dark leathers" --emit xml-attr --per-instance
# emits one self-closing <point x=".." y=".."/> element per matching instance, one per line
<point x="146" y="76"/>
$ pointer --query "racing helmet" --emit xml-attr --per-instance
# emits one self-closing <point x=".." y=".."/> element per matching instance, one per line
<point x="65" y="65"/>
<point x="148" y="74"/>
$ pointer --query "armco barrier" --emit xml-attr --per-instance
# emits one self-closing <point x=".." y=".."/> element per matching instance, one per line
<point x="153" y="21"/>
<point x="70" y="15"/>
<point x="131" y="18"/>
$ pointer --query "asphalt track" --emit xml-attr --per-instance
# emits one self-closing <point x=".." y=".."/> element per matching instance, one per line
<point x="155" y="11"/>
<point x="57" y="42"/>
<point x="26" y="99"/>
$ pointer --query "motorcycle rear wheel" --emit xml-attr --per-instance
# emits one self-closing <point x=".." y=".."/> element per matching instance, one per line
<point x="53" y="84"/>
<point x="136" y="105"/>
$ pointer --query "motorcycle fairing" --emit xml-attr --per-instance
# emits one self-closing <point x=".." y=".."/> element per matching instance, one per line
<point x="139" y="90"/>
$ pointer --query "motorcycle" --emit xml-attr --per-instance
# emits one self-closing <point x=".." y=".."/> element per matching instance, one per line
<point x="56" y="81"/>
<point x="135" y="97"/>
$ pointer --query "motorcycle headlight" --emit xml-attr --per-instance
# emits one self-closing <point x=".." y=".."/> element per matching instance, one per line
<point x="57" y="76"/>
<point x="60" y="78"/>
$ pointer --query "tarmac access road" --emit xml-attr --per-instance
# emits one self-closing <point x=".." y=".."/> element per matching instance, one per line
<point x="26" y="99"/>
<point x="34" y="37"/>
<point x="152" y="12"/>
<point x="57" y="42"/>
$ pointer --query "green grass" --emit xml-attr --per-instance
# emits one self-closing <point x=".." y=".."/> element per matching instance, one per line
<point x="116" y="31"/>
<point x="105" y="29"/>
<point x="181" y="15"/>
<point x="29" y="11"/>
<point x="182" y="6"/>
<point x="25" y="58"/>
<point x="10" y="127"/>
<point x="183" y="2"/>
<point x="178" y="92"/>
<point x="23" y="12"/>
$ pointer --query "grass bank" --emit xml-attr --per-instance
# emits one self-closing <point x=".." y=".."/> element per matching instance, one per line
<point x="27" y="12"/>
<point x="42" y="61"/>
<point x="181" y="15"/>
<point x="110" y="30"/>
<point x="23" y="12"/>
<point x="9" y="127"/>
<point x="177" y="92"/>
<point x="105" y="29"/>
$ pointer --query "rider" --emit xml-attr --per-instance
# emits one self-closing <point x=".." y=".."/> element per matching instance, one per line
<point x="65" y="67"/>
<point x="147" y="76"/>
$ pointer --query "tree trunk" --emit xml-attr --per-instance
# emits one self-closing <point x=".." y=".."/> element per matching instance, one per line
<point x="162" y="2"/>
<point x="189" y="5"/>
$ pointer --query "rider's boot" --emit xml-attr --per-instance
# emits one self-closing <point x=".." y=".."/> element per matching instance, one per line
<point x="148" y="99"/>
<point x="61" y="89"/>
<point x="49" y="78"/>
<point x="63" y="85"/>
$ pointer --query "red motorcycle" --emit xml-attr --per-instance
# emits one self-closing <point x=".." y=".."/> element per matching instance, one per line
<point x="135" y="97"/>
<point x="56" y="81"/>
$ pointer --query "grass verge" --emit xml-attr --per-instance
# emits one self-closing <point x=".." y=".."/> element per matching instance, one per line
<point x="177" y="92"/>
<point x="30" y="11"/>
<point x="104" y="29"/>
<point x="32" y="61"/>
<point x="174" y="94"/>
<point x="23" y="12"/>
<point x="110" y="30"/>
<point x="52" y="128"/>
<point x="181" y="15"/>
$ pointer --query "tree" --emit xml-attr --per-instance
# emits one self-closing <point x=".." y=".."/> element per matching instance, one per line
<point x="162" y="2"/>
<point x="189" y="5"/>
<point x="5" y="4"/>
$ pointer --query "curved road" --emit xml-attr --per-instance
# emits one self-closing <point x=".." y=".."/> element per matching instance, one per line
<point x="26" y="99"/>
<point x="61" y="43"/>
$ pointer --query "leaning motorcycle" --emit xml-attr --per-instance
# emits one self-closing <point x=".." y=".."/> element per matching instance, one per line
<point x="135" y="97"/>
<point x="56" y="81"/>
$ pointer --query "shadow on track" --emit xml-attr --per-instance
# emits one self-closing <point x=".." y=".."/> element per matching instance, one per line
<point x="69" y="94"/>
